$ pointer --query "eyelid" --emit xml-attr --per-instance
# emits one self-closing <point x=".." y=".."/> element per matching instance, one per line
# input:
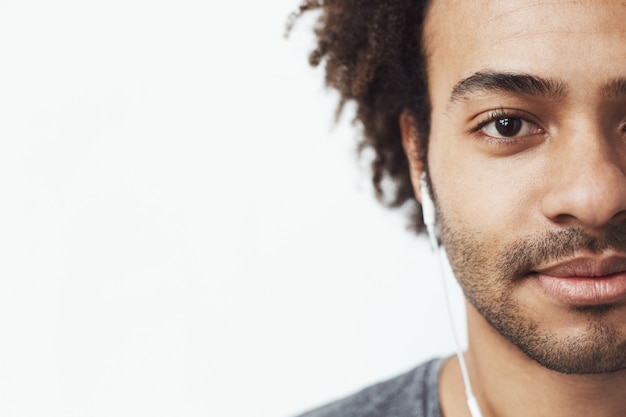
<point x="503" y="113"/>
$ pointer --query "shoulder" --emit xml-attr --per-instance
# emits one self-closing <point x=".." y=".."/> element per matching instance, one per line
<point x="413" y="394"/>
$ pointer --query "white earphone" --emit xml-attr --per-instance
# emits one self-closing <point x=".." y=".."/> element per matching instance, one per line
<point x="430" y="221"/>
<point x="428" y="212"/>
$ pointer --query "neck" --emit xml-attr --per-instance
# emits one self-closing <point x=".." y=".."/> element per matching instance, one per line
<point x="509" y="384"/>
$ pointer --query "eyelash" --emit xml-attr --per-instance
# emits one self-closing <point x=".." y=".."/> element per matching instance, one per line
<point x="498" y="114"/>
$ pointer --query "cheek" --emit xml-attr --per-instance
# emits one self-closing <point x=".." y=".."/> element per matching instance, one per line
<point x="480" y="195"/>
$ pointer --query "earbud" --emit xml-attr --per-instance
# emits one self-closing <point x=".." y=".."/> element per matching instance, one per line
<point x="428" y="212"/>
<point x="428" y="207"/>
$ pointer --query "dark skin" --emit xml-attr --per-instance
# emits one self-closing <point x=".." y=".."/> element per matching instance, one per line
<point x="527" y="160"/>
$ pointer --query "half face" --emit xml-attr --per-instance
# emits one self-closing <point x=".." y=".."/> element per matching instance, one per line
<point x="527" y="157"/>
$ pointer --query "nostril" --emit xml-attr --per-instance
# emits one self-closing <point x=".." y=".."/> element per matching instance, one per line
<point x="564" y="218"/>
<point x="621" y="216"/>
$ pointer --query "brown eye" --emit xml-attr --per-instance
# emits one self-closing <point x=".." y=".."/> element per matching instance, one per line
<point x="508" y="127"/>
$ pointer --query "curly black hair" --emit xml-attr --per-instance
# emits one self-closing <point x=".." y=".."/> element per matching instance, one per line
<point x="374" y="56"/>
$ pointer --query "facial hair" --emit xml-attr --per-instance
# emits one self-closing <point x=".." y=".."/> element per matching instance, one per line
<point x="490" y="276"/>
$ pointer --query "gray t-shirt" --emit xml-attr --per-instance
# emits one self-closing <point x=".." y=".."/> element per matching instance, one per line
<point x="414" y="394"/>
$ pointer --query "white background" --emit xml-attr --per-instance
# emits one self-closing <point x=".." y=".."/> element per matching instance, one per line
<point x="183" y="230"/>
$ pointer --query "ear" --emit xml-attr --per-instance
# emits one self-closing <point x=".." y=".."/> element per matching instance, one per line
<point x="410" y="140"/>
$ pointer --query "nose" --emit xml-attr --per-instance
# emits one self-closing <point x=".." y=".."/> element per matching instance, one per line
<point x="587" y="182"/>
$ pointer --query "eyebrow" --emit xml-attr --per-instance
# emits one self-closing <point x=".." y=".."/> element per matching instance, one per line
<point x="614" y="89"/>
<point x="491" y="81"/>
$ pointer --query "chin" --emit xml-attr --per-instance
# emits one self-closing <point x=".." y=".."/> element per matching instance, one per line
<point x="596" y="345"/>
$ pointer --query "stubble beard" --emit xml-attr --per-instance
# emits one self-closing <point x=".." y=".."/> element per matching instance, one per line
<point x="489" y="277"/>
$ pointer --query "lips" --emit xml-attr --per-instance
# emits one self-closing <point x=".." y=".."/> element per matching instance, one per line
<point x="585" y="280"/>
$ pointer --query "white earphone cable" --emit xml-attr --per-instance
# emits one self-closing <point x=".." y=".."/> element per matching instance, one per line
<point x="472" y="403"/>
<point x="428" y="211"/>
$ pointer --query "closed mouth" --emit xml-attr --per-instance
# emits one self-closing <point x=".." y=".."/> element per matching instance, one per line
<point x="585" y="280"/>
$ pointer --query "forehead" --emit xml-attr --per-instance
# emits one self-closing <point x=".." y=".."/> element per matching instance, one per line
<point x="501" y="21"/>
<point x="568" y="40"/>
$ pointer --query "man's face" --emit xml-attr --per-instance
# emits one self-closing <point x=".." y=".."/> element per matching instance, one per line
<point x="527" y="157"/>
